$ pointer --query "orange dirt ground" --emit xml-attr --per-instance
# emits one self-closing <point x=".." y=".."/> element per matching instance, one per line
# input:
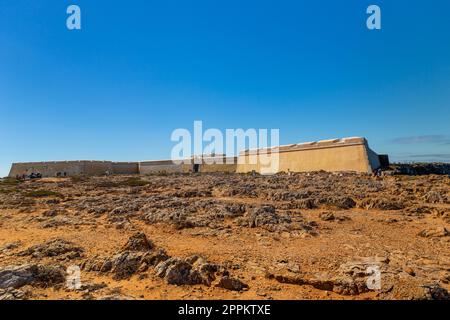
<point x="299" y="236"/>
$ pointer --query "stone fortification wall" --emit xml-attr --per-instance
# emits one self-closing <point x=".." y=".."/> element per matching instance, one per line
<point x="61" y="168"/>
<point x="348" y="154"/>
<point x="125" y="167"/>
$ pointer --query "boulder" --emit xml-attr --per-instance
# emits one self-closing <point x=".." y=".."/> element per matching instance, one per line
<point x="138" y="242"/>
<point x="233" y="284"/>
<point x="19" y="276"/>
<point x="434" y="233"/>
<point x="191" y="270"/>
<point x="53" y="248"/>
<point x="326" y="216"/>
<point x="13" y="294"/>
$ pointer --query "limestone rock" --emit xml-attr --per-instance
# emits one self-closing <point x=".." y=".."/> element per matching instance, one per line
<point x="264" y="216"/>
<point x="434" y="233"/>
<point x="116" y="296"/>
<point x="327" y="216"/>
<point x="19" y="276"/>
<point x="231" y="284"/>
<point x="191" y="270"/>
<point x="138" y="242"/>
<point x="125" y="264"/>
<point x="13" y="294"/>
<point x="53" y="248"/>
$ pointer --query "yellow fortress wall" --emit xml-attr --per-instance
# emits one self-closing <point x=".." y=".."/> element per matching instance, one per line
<point x="162" y="166"/>
<point x="209" y="164"/>
<point x="61" y="168"/>
<point x="347" y="154"/>
<point x="72" y="168"/>
<point x="218" y="163"/>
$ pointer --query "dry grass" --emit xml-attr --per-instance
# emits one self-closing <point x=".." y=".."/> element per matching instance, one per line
<point x="42" y="194"/>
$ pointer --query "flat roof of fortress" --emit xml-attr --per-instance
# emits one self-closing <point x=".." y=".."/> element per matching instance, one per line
<point x="64" y="161"/>
<point x="168" y="161"/>
<point x="329" y="143"/>
<point x="75" y="161"/>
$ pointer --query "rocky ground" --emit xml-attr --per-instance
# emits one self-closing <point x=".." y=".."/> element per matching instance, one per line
<point x="226" y="236"/>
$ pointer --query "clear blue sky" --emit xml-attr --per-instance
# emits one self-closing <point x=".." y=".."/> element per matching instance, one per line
<point x="137" y="70"/>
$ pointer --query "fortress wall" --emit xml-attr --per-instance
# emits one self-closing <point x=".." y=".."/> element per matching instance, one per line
<point x="64" y="168"/>
<point x="125" y="167"/>
<point x="350" y="154"/>
<point x="47" y="169"/>
<point x="162" y="166"/>
<point x="208" y="168"/>
<point x="96" y="168"/>
<point x="167" y="166"/>
<point x="373" y="158"/>
<point x="222" y="164"/>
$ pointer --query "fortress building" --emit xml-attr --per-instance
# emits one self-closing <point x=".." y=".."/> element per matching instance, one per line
<point x="347" y="154"/>
<point x="217" y="163"/>
<point x="73" y="168"/>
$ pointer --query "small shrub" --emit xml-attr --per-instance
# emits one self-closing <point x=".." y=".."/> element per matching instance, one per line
<point x="6" y="191"/>
<point x="42" y="194"/>
<point x="9" y="182"/>
<point x="130" y="182"/>
<point x="78" y="178"/>
<point x="107" y="184"/>
<point x="134" y="182"/>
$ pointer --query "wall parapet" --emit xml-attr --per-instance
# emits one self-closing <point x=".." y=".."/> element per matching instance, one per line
<point x="322" y="144"/>
<point x="331" y="155"/>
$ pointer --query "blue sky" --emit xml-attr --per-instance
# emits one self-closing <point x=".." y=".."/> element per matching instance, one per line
<point x="137" y="70"/>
